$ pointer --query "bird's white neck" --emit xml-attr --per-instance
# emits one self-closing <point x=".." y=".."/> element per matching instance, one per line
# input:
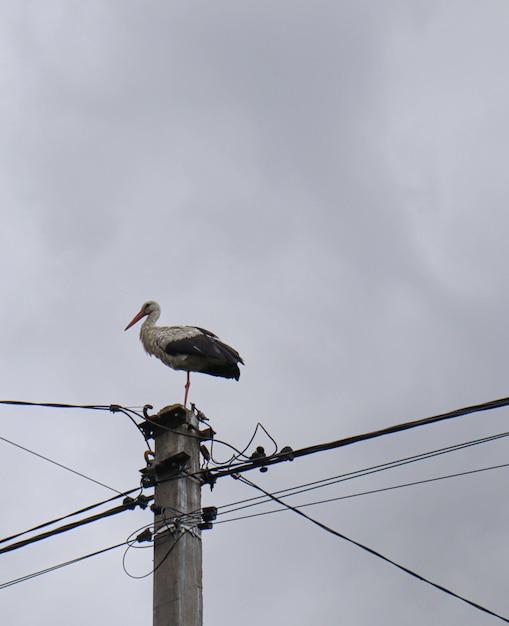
<point x="149" y="323"/>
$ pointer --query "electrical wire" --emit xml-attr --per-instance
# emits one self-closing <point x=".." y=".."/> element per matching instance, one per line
<point x="53" y="568"/>
<point x="241" y="454"/>
<point x="232" y="468"/>
<point x="373" y="552"/>
<point x="59" y="519"/>
<point x="325" y="482"/>
<point x="359" y="437"/>
<point x="128" y="504"/>
<point x="60" y="405"/>
<point x="126" y="411"/>
<point x="65" y="467"/>
<point x="355" y="495"/>
<point x="154" y="569"/>
<point x="112" y="408"/>
<point x="283" y="455"/>
<point x="182" y="522"/>
<point x="194" y="516"/>
<point x="199" y="414"/>
<point x="210" y="476"/>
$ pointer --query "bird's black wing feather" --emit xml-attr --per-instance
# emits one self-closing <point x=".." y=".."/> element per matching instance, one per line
<point x="207" y="354"/>
<point x="204" y="344"/>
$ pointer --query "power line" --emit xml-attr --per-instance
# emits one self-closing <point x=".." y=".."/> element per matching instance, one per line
<point x="227" y="469"/>
<point x="59" y="405"/>
<point x="128" y="504"/>
<point x="130" y="544"/>
<point x="59" y="566"/>
<point x="59" y="519"/>
<point x="53" y="568"/>
<point x="242" y="453"/>
<point x="287" y="454"/>
<point x="238" y="454"/>
<point x="65" y="467"/>
<point x="112" y="408"/>
<point x="210" y="475"/>
<point x="352" y="495"/>
<point x="284" y="455"/>
<point x="373" y="552"/>
<point x="325" y="482"/>
<point x="117" y="408"/>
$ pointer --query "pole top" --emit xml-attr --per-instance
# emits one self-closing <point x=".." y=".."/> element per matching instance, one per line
<point x="171" y="416"/>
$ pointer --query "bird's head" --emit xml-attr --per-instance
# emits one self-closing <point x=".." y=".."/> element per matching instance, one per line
<point x="146" y="309"/>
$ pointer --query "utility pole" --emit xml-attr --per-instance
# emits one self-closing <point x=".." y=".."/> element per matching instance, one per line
<point x="177" y="575"/>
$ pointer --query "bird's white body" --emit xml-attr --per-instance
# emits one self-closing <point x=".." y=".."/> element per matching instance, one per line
<point x="156" y="339"/>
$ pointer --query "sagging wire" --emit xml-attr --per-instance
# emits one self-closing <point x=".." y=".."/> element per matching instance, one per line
<point x="241" y="454"/>
<point x="170" y="526"/>
<point x="371" y="551"/>
<point x="325" y="482"/>
<point x="127" y="411"/>
<point x="238" y="454"/>
<point x="112" y="408"/>
<point x="127" y="505"/>
<point x="143" y="415"/>
<point x="354" y="495"/>
<point x="58" y="405"/>
<point x="61" y="465"/>
<point x="59" y="566"/>
<point x="79" y="512"/>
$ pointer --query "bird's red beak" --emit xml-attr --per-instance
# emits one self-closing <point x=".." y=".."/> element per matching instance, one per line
<point x="135" y="319"/>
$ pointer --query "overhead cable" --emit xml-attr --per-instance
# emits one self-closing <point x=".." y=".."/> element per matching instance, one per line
<point x="65" y="467"/>
<point x="59" y="519"/>
<point x="60" y="405"/>
<point x="325" y="482"/>
<point x="129" y="412"/>
<point x="289" y="454"/>
<point x="373" y="552"/>
<point x="128" y="504"/>
<point x="22" y="579"/>
<point x="350" y="495"/>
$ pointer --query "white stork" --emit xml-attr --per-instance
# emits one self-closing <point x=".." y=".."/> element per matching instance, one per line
<point x="188" y="348"/>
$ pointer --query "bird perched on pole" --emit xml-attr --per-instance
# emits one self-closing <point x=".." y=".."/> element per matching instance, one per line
<point x="187" y="348"/>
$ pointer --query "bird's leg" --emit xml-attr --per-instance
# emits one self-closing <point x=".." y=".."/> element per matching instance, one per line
<point x="186" y="387"/>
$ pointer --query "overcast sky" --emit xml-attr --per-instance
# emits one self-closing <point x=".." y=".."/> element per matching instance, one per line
<point x="322" y="184"/>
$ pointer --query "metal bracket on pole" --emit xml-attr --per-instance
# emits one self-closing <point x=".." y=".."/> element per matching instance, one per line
<point x="166" y="419"/>
<point x="158" y="472"/>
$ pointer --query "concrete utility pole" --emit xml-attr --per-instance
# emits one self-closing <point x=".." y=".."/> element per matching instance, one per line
<point x="177" y="544"/>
